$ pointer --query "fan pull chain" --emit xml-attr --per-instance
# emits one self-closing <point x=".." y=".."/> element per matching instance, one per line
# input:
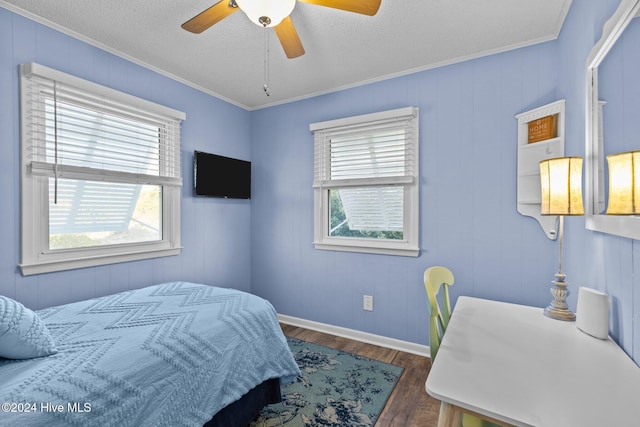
<point x="266" y="62"/>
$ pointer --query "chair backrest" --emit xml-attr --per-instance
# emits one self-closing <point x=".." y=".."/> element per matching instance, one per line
<point x="434" y="279"/>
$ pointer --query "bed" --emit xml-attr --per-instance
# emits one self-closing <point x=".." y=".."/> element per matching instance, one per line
<point x="175" y="354"/>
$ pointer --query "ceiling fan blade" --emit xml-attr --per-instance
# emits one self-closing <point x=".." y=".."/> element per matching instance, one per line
<point x="210" y="16"/>
<point x="365" y="7"/>
<point x="289" y="39"/>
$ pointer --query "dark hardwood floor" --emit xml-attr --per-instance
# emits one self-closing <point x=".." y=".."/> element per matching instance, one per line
<point x="409" y="405"/>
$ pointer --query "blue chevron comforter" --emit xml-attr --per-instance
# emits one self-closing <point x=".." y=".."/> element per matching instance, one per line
<point x="167" y="355"/>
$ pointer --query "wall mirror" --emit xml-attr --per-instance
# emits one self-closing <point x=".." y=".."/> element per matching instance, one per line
<point x="612" y="114"/>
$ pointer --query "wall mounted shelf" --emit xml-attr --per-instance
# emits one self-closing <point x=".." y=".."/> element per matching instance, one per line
<point x="529" y="157"/>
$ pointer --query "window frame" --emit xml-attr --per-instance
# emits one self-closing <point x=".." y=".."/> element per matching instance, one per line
<point x="36" y="258"/>
<point x="409" y="245"/>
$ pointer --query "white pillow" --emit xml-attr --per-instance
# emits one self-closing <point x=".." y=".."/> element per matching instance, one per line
<point x="23" y="334"/>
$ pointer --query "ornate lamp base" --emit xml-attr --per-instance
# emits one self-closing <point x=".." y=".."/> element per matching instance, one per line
<point x="558" y="308"/>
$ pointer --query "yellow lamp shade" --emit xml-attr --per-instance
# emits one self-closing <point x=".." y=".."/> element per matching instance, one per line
<point x="624" y="183"/>
<point x="561" y="185"/>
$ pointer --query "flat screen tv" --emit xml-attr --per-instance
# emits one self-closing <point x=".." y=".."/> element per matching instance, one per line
<point x="219" y="176"/>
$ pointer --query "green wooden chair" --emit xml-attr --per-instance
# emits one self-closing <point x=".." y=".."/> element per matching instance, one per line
<point x="435" y="279"/>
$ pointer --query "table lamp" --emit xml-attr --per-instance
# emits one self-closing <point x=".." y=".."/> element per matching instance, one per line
<point x="561" y="188"/>
<point x="624" y="183"/>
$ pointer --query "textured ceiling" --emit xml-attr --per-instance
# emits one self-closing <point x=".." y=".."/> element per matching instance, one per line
<point x="343" y="49"/>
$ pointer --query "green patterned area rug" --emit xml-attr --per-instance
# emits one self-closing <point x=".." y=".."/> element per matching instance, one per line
<point x="335" y="389"/>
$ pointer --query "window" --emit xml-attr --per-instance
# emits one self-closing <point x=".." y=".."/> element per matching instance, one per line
<point x="366" y="183"/>
<point x="100" y="174"/>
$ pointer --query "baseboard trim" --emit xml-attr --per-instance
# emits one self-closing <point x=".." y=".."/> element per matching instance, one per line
<point x="379" y="340"/>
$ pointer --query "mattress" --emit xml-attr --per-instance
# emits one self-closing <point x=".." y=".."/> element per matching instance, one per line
<point x="167" y="355"/>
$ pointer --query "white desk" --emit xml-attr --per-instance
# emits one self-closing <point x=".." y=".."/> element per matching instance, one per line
<point x="513" y="364"/>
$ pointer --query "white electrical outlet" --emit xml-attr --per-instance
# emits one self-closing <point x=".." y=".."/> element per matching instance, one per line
<point x="367" y="303"/>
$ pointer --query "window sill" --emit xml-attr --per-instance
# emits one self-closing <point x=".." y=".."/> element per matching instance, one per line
<point x="68" y="264"/>
<point x="407" y="251"/>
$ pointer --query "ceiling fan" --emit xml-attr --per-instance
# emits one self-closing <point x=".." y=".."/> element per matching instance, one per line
<point x="274" y="13"/>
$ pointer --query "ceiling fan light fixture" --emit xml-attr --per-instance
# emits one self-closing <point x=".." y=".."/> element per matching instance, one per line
<point x="266" y="13"/>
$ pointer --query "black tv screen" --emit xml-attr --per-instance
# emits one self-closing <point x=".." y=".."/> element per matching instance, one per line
<point x="219" y="176"/>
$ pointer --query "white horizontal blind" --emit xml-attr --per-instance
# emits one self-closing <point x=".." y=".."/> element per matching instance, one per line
<point x="369" y="160"/>
<point x="375" y="153"/>
<point x="80" y="134"/>
<point x="366" y="186"/>
<point x="100" y="173"/>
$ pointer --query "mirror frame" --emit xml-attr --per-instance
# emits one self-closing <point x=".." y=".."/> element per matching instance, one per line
<point x="619" y="225"/>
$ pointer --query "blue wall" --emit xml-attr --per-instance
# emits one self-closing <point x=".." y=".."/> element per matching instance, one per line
<point x="469" y="221"/>
<point x="468" y="215"/>
<point x="468" y="141"/>
<point x="215" y="233"/>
